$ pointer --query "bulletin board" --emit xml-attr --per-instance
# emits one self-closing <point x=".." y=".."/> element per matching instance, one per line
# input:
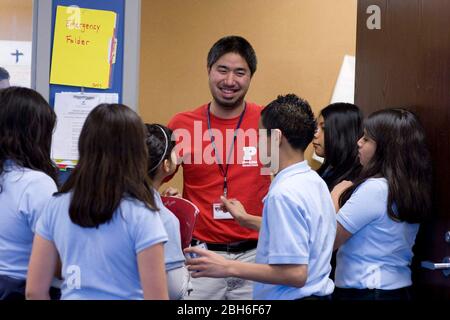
<point x="117" y="6"/>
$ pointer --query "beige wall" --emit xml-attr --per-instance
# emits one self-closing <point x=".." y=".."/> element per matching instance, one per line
<point x="16" y="20"/>
<point x="300" y="45"/>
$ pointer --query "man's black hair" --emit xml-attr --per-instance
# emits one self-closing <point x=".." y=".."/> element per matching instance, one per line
<point x="234" y="44"/>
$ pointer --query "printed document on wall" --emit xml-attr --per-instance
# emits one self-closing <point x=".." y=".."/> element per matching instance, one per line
<point x="72" y="110"/>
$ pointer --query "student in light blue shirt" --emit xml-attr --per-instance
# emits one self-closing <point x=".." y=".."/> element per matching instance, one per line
<point x="27" y="181"/>
<point x="339" y="127"/>
<point x="163" y="163"/>
<point x="298" y="224"/>
<point x="379" y="214"/>
<point x="103" y="224"/>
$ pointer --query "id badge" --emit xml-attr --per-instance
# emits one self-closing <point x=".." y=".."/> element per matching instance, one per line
<point x="219" y="214"/>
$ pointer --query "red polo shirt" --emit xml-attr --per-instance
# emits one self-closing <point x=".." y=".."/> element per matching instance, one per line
<point x="202" y="178"/>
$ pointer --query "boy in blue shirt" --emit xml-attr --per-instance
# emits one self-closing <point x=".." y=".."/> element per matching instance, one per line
<point x="298" y="225"/>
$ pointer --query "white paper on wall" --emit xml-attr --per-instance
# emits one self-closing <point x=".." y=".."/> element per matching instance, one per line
<point x="344" y="90"/>
<point x="72" y="109"/>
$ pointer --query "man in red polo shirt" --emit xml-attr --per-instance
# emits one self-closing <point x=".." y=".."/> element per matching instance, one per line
<point x="218" y="145"/>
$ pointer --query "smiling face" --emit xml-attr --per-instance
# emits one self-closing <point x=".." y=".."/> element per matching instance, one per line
<point x="319" y="138"/>
<point x="229" y="80"/>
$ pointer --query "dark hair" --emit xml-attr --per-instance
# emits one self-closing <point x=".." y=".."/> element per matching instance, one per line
<point x="234" y="44"/>
<point x="4" y="75"/>
<point x="160" y="146"/>
<point x="342" y="130"/>
<point x="112" y="165"/>
<point x="402" y="157"/>
<point x="294" y="117"/>
<point x="26" y="127"/>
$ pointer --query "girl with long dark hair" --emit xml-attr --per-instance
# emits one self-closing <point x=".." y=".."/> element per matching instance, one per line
<point x="27" y="181"/>
<point x="103" y="223"/>
<point x="339" y="127"/>
<point x="381" y="210"/>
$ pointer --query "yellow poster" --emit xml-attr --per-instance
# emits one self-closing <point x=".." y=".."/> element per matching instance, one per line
<point x="83" y="47"/>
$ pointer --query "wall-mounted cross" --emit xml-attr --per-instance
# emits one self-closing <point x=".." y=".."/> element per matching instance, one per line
<point x="17" y="54"/>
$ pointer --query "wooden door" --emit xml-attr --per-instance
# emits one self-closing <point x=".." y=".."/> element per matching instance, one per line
<point x="404" y="60"/>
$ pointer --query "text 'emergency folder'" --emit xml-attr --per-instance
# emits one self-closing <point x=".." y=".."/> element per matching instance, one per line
<point x="84" y="47"/>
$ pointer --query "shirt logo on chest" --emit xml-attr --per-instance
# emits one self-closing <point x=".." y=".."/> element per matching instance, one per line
<point x="249" y="157"/>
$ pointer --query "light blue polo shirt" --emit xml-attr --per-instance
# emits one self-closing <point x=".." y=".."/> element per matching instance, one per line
<point x="173" y="254"/>
<point x="24" y="193"/>
<point x="379" y="252"/>
<point x="298" y="227"/>
<point x="101" y="263"/>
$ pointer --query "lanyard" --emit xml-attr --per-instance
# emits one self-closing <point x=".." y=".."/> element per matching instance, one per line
<point x="223" y="171"/>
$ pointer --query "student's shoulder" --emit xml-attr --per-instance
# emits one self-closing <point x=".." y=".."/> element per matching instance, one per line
<point x="282" y="192"/>
<point x="181" y="118"/>
<point x="303" y="179"/>
<point x="378" y="185"/>
<point x="59" y="202"/>
<point x="373" y="191"/>
<point x="301" y="187"/>
<point x="281" y="201"/>
<point x="35" y="179"/>
<point x="131" y="202"/>
<point x="138" y="216"/>
<point x="36" y="175"/>
<point x="135" y="209"/>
